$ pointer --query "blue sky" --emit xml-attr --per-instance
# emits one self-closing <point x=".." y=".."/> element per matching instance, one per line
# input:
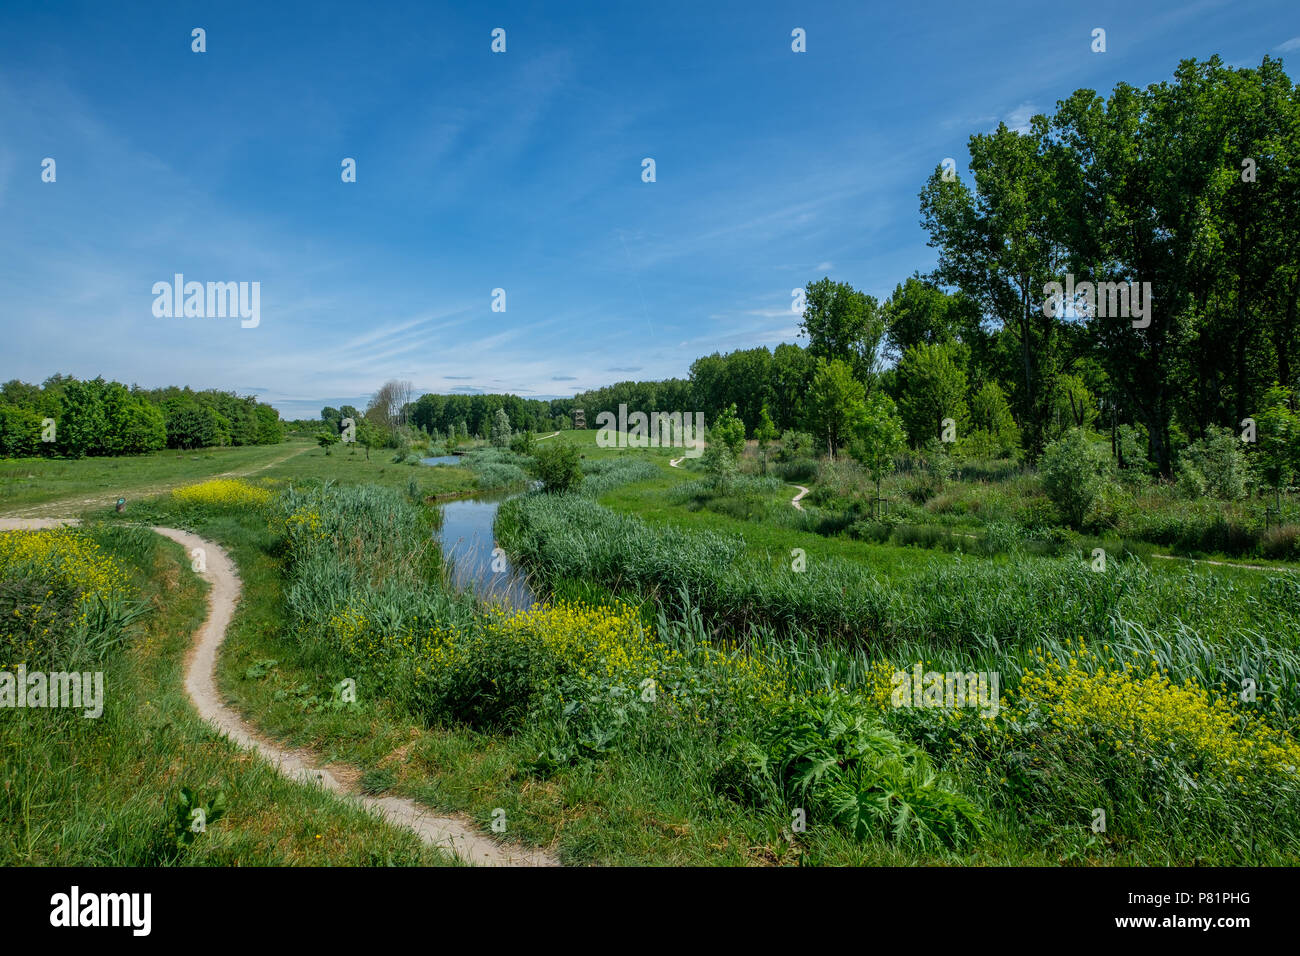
<point x="519" y="170"/>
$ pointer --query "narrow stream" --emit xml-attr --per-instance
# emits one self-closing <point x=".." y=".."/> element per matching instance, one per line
<point x="467" y="542"/>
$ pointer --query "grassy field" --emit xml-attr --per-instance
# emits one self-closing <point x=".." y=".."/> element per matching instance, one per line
<point x="66" y="487"/>
<point x="95" y="482"/>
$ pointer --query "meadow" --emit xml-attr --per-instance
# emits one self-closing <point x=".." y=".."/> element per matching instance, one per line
<point x="711" y="680"/>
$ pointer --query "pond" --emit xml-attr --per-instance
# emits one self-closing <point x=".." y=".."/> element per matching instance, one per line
<point x="442" y="460"/>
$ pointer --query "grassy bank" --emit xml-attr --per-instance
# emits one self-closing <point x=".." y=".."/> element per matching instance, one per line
<point x="106" y="791"/>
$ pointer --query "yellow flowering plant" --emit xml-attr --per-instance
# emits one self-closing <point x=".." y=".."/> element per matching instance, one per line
<point x="223" y="493"/>
<point x="63" y="598"/>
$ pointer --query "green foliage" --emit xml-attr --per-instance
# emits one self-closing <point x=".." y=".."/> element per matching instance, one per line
<point x="1133" y="450"/>
<point x="993" y="432"/>
<point x="728" y="431"/>
<point x="720" y="465"/>
<point x="1214" y="466"/>
<point x="496" y="468"/>
<point x="796" y="469"/>
<point x="832" y="756"/>
<point x="836" y="403"/>
<point x="522" y="443"/>
<point x="765" y="433"/>
<point x="500" y="435"/>
<point x="844" y="325"/>
<point x="20" y="431"/>
<point x="879" y="437"/>
<point x="932" y="388"/>
<point x="1073" y="473"/>
<point x="1072" y="405"/>
<point x="558" y="467"/>
<point x="494" y="683"/>
<point x="795" y="445"/>
<point x="190" y="817"/>
<point x="1278" y="428"/>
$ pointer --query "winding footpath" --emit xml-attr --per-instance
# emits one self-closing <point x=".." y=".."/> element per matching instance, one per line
<point x="453" y="834"/>
<point x="796" y="499"/>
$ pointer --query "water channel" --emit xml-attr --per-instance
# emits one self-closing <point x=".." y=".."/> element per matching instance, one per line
<point x="468" y="542"/>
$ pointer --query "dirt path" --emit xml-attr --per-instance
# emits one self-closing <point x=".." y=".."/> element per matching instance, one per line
<point x="551" y="435"/>
<point x="676" y="462"/>
<point x="1224" y="564"/>
<point x="456" y="835"/>
<point x="797" y="498"/>
<point x="64" y="505"/>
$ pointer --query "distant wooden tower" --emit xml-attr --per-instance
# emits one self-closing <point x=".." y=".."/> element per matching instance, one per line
<point x="579" y="418"/>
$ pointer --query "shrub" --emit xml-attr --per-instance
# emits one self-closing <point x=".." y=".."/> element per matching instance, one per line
<point x="1215" y="465"/>
<point x="1072" y="471"/>
<point x="728" y="430"/>
<point x="558" y="467"/>
<point x="720" y="464"/>
<point x="64" y="600"/>
<point x="522" y="443"/>
<point x="500" y="429"/>
<point x="1281" y="543"/>
<point x="795" y="445"/>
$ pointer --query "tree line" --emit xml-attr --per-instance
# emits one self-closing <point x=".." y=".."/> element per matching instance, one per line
<point x="1189" y="188"/>
<point x="69" y="417"/>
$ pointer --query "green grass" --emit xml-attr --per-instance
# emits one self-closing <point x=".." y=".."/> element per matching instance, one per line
<point x="639" y="806"/>
<point x="652" y="796"/>
<point x="348" y="466"/>
<point x="102" y="792"/>
<point x="25" y="482"/>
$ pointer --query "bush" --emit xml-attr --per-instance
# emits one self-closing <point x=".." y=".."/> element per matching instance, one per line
<point x="522" y="443"/>
<point x="795" y="446"/>
<point x="720" y="464"/>
<point x="558" y="467"/>
<point x="486" y="677"/>
<point x="500" y="429"/>
<point x="1215" y="465"/>
<point x="1072" y="471"/>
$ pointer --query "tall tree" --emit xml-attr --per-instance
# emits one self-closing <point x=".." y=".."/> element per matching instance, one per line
<point x="844" y="324"/>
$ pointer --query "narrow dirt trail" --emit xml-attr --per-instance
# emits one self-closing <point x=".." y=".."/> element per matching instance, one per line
<point x="676" y="462"/>
<point x="64" y="505"/>
<point x="1224" y="564"/>
<point x="799" y="497"/>
<point x="454" y="834"/>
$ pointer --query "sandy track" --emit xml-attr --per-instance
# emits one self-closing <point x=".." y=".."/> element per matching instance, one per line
<point x="456" y="835"/>
<point x="797" y="498"/>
